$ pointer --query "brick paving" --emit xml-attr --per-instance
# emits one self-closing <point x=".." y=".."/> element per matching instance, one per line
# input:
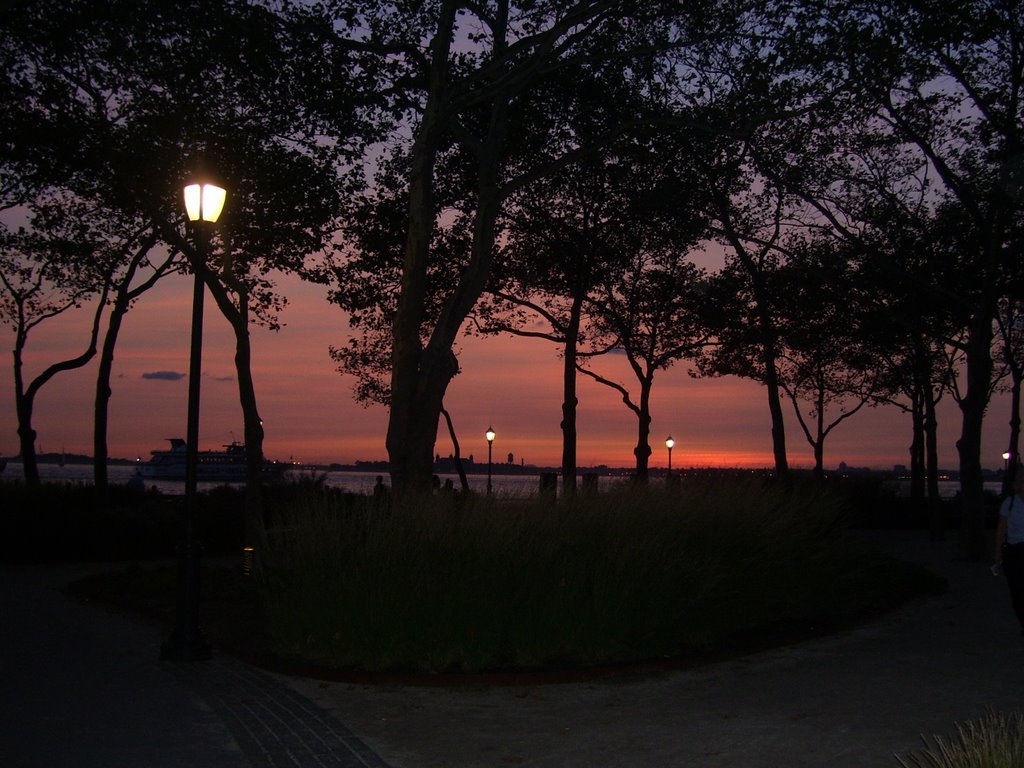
<point x="273" y="724"/>
<point x="84" y="687"/>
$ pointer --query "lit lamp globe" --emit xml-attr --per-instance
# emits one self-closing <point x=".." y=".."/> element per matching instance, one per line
<point x="204" y="202"/>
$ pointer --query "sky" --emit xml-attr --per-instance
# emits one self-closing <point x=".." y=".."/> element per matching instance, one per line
<point x="510" y="384"/>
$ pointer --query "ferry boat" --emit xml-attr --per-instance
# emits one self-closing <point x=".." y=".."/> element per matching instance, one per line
<point x="226" y="466"/>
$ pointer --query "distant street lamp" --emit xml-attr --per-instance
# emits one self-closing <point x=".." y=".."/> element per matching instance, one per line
<point x="1006" y="471"/>
<point x="489" y="434"/>
<point x="203" y="205"/>
<point x="669" y="443"/>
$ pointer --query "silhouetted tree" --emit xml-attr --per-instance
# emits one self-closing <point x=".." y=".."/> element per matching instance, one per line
<point x="132" y="278"/>
<point x="827" y="365"/>
<point x="229" y="84"/>
<point x="912" y="287"/>
<point x="945" y="79"/>
<point x="654" y="318"/>
<point x="572" y="236"/>
<point x="750" y="222"/>
<point x="48" y="267"/>
<point x="477" y="72"/>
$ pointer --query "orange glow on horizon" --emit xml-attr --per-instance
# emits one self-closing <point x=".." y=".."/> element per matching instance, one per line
<point x="513" y="384"/>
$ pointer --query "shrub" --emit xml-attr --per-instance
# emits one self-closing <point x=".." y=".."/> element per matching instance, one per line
<point x="994" y="741"/>
<point x="620" y="577"/>
<point x="61" y="522"/>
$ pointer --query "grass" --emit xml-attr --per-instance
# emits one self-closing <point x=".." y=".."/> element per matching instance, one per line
<point x="720" y="567"/>
<point x="994" y="741"/>
<point x="619" y="578"/>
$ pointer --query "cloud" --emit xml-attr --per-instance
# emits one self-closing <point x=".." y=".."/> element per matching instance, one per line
<point x="164" y="375"/>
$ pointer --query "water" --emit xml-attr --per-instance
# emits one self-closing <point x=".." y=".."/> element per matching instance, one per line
<point x="505" y="486"/>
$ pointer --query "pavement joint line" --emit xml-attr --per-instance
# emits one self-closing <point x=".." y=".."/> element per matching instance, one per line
<point x="274" y="725"/>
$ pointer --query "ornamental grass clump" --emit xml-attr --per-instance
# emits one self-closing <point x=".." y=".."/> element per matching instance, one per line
<point x="994" y="741"/>
<point x="627" y="576"/>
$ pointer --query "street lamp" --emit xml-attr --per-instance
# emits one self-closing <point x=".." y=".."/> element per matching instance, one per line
<point x="1006" y="471"/>
<point x="203" y="205"/>
<point x="669" y="443"/>
<point x="489" y="434"/>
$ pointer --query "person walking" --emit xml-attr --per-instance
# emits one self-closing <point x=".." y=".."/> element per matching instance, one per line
<point x="1010" y="544"/>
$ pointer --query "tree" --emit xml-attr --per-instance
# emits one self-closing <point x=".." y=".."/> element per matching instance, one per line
<point x="826" y="364"/>
<point x="654" y="317"/>
<point x="912" y="288"/>
<point x="364" y="273"/>
<point x="480" y="74"/>
<point x="751" y="223"/>
<point x="127" y="283"/>
<point x="571" y="236"/>
<point x="232" y="86"/>
<point x="946" y="79"/>
<point x="47" y="268"/>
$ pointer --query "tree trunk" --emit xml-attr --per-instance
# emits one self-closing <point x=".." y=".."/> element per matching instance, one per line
<point x="411" y="439"/>
<point x="252" y="426"/>
<point x="27" y="439"/>
<point x="569" y="399"/>
<point x="642" y="452"/>
<point x="774" y="391"/>
<point x="237" y="315"/>
<point x="917" y="444"/>
<point x="412" y="430"/>
<point x="101" y="407"/>
<point x="972" y="406"/>
<point x="936" y="521"/>
<point x="819" y="441"/>
<point x="456" y="451"/>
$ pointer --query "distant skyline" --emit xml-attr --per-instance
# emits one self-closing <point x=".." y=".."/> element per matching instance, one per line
<point x="512" y="384"/>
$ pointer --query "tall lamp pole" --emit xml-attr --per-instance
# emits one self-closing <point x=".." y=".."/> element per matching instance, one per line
<point x="670" y="444"/>
<point x="489" y="434"/>
<point x="1006" y="472"/>
<point x="203" y="204"/>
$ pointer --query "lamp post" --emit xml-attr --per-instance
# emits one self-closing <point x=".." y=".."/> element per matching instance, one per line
<point x="489" y="434"/>
<point x="669" y="443"/>
<point x="1006" y="471"/>
<point x="203" y="204"/>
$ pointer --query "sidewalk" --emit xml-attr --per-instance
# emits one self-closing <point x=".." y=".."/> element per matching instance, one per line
<point x="848" y="701"/>
<point x="83" y="687"/>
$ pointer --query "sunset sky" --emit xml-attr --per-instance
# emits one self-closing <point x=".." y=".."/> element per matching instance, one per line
<point x="511" y="384"/>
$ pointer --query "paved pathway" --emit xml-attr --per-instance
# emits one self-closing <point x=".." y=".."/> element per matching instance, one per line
<point x="82" y="687"/>
<point x="847" y="701"/>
